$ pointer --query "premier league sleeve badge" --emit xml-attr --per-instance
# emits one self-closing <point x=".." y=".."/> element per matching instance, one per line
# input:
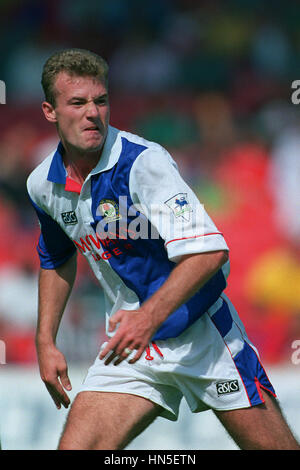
<point x="180" y="206"/>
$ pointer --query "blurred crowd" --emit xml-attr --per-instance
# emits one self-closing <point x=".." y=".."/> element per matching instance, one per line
<point x="210" y="81"/>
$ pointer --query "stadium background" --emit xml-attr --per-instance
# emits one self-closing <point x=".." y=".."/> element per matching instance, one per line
<point x="210" y="81"/>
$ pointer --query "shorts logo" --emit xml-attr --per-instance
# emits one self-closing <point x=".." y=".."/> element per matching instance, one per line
<point x="109" y="210"/>
<point x="180" y="206"/>
<point x="230" y="386"/>
<point x="69" y="218"/>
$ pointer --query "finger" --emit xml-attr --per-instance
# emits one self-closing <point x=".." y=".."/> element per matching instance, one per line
<point x="58" y="394"/>
<point x="137" y="355"/>
<point x="110" y="346"/>
<point x="119" y="352"/>
<point x="54" y="396"/>
<point x="105" y="352"/>
<point x="114" y="320"/>
<point x="124" y="355"/>
<point x="65" y="400"/>
<point x="65" y="381"/>
<point x="110" y="358"/>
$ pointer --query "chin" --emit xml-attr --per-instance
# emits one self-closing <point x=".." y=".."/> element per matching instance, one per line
<point x="94" y="144"/>
<point x="91" y="146"/>
<point x="94" y="148"/>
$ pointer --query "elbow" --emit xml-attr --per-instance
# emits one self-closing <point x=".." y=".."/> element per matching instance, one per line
<point x="221" y="258"/>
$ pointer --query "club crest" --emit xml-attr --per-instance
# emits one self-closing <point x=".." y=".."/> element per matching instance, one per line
<point x="109" y="210"/>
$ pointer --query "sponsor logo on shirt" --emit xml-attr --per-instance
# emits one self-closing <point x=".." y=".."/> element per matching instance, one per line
<point x="180" y="206"/>
<point x="109" y="210"/>
<point x="230" y="386"/>
<point x="69" y="218"/>
<point x="102" y="248"/>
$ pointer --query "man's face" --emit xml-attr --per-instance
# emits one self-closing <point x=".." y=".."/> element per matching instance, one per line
<point x="81" y="112"/>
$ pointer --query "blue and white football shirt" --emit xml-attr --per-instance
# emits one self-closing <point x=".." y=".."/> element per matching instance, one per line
<point x="133" y="219"/>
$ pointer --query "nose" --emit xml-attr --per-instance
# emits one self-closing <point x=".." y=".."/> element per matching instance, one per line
<point x="91" y="110"/>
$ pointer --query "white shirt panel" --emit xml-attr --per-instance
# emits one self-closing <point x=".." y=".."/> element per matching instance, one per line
<point x="158" y="190"/>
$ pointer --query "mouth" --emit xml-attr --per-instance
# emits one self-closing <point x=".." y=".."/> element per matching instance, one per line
<point x="91" y="128"/>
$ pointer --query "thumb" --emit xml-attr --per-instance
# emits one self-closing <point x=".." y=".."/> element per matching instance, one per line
<point x="114" y="320"/>
<point x="65" y="381"/>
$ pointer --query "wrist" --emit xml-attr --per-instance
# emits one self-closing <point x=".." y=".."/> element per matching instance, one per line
<point x="44" y="340"/>
<point x="158" y="311"/>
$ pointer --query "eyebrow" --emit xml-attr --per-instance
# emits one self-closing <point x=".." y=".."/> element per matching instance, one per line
<point x="81" y="98"/>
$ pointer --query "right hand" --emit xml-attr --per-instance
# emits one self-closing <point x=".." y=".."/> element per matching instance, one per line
<point x="54" y="373"/>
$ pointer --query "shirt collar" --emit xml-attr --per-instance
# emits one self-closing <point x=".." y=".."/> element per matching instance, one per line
<point x="57" y="172"/>
<point x="111" y="151"/>
<point x="109" y="157"/>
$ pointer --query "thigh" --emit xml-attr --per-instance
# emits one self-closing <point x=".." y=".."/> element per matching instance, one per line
<point x="106" y="420"/>
<point x="260" y="427"/>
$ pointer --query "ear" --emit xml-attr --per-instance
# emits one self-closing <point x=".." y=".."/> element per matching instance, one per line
<point x="49" y="112"/>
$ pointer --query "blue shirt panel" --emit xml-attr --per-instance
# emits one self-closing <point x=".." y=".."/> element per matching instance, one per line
<point x="57" y="171"/>
<point x="145" y="266"/>
<point x="54" y="247"/>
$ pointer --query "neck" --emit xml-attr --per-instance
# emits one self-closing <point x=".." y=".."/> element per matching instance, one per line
<point x="78" y="171"/>
<point x="79" y="165"/>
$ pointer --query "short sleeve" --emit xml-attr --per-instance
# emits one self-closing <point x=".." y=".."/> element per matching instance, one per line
<point x="54" y="247"/>
<point x="160" y="192"/>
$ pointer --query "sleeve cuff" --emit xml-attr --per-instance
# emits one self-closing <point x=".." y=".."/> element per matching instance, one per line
<point x="193" y="244"/>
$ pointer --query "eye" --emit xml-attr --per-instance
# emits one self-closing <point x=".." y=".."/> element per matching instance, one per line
<point x="76" y="102"/>
<point x="101" y="101"/>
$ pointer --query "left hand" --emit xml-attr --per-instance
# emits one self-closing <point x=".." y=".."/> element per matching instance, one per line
<point x="134" y="332"/>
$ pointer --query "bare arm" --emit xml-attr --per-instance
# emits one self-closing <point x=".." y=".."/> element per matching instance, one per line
<point x="55" y="286"/>
<point x="137" y="327"/>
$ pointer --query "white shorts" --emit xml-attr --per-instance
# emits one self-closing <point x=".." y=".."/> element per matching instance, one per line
<point x="212" y="364"/>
